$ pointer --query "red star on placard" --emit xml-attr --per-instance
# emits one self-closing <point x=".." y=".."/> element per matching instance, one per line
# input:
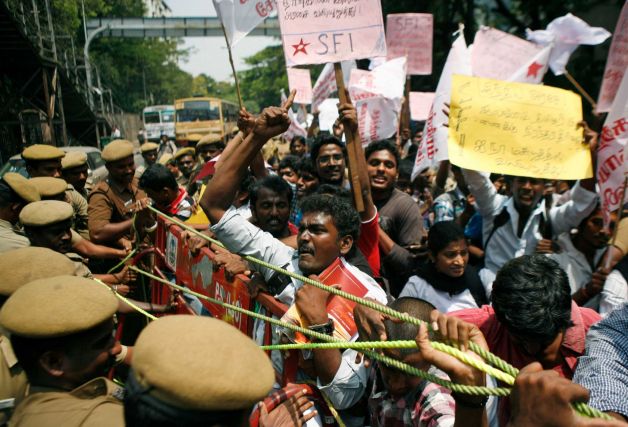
<point x="533" y="69"/>
<point x="300" y="47"/>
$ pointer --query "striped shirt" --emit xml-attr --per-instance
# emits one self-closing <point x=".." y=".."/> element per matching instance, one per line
<point x="603" y="369"/>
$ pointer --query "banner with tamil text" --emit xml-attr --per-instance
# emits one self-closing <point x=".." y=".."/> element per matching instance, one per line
<point x="410" y="35"/>
<point x="612" y="167"/>
<point x="517" y="129"/>
<point x="317" y="32"/>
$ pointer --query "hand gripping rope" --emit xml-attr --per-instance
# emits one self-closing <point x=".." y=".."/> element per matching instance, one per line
<point x="507" y="374"/>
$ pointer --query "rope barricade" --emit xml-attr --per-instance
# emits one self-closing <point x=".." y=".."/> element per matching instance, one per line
<point x="508" y="374"/>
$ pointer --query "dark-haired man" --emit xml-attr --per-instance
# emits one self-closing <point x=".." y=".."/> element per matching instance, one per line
<point x="399" y="214"/>
<point x="288" y="169"/>
<point x="532" y="319"/>
<point x="270" y="200"/>
<point x="328" y="155"/>
<point x="161" y="186"/>
<point x="328" y="230"/>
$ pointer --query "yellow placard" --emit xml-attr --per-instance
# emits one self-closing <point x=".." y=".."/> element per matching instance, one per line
<point x="517" y="129"/>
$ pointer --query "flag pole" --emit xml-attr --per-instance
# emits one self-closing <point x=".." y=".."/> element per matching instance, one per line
<point x="351" y="144"/>
<point x="233" y="70"/>
<point x="580" y="89"/>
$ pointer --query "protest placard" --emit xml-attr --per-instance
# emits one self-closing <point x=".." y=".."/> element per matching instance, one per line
<point x="616" y="63"/>
<point x="410" y="35"/>
<point x="420" y="103"/>
<point x="517" y="129"/>
<point x="612" y="167"/>
<point x="498" y="55"/>
<point x="240" y="17"/>
<point x="316" y="32"/>
<point x="299" y="80"/>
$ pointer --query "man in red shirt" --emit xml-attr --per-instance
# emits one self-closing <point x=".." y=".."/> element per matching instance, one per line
<point x="532" y="319"/>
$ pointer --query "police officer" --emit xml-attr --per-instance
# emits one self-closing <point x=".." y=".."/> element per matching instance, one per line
<point x="62" y="333"/>
<point x="112" y="202"/>
<point x="15" y="193"/>
<point x="16" y="269"/>
<point x="46" y="161"/>
<point x="212" y="377"/>
<point x="149" y="154"/>
<point x="75" y="171"/>
<point x="57" y="189"/>
<point x="186" y="162"/>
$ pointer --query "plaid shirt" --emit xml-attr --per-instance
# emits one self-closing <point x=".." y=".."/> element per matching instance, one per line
<point x="430" y="405"/>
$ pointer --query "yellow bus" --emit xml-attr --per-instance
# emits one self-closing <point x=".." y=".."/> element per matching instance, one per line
<point x="204" y="115"/>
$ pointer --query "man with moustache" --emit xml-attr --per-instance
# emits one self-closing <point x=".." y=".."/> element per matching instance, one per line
<point x="328" y="155"/>
<point x="112" y="202"/>
<point x="328" y="230"/>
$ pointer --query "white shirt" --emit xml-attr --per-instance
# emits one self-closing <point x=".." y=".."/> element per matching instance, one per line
<point x="242" y="237"/>
<point x="444" y="302"/>
<point x="504" y="244"/>
<point x="577" y="267"/>
<point x="615" y="293"/>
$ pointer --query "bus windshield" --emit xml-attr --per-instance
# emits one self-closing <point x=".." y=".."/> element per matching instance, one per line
<point x="195" y="111"/>
<point x="151" y="117"/>
<point x="167" y="116"/>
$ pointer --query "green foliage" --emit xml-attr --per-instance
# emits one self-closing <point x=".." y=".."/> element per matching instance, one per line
<point x="262" y="82"/>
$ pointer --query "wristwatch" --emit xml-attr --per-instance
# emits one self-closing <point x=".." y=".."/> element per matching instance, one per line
<point x="324" y="328"/>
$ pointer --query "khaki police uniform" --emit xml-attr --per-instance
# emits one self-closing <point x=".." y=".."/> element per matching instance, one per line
<point x="17" y="269"/>
<point x="77" y="305"/>
<point x="10" y="238"/>
<point x="110" y="202"/>
<point x="80" y="206"/>
<point x="97" y="403"/>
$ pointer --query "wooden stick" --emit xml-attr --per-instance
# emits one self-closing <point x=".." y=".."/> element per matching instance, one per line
<point x="351" y="148"/>
<point x="235" y="75"/>
<point x="580" y="89"/>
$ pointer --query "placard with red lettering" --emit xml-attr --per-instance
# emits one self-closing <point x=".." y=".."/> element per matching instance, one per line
<point x="299" y="80"/>
<point x="612" y="167"/>
<point x="499" y="55"/>
<point x="616" y="63"/>
<point x="316" y="32"/>
<point x="420" y="104"/>
<point x="410" y="35"/>
<point x="377" y="119"/>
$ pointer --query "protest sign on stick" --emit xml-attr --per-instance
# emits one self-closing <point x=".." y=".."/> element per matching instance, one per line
<point x="410" y="35"/>
<point x="240" y="17"/>
<point x="299" y="80"/>
<point x="420" y="103"/>
<point x="326" y="83"/>
<point x="517" y="129"/>
<point x="616" y="63"/>
<point x="321" y="32"/>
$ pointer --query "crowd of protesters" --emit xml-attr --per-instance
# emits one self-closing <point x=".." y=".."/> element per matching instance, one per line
<point x="526" y="268"/>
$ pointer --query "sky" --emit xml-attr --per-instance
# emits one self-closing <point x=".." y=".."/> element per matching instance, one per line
<point x="209" y="54"/>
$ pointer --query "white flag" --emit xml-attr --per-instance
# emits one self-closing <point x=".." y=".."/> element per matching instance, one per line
<point x="240" y="17"/>
<point x="566" y="34"/>
<point x="534" y="70"/>
<point x="612" y="167"/>
<point x="433" y="145"/>
<point x="326" y="83"/>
